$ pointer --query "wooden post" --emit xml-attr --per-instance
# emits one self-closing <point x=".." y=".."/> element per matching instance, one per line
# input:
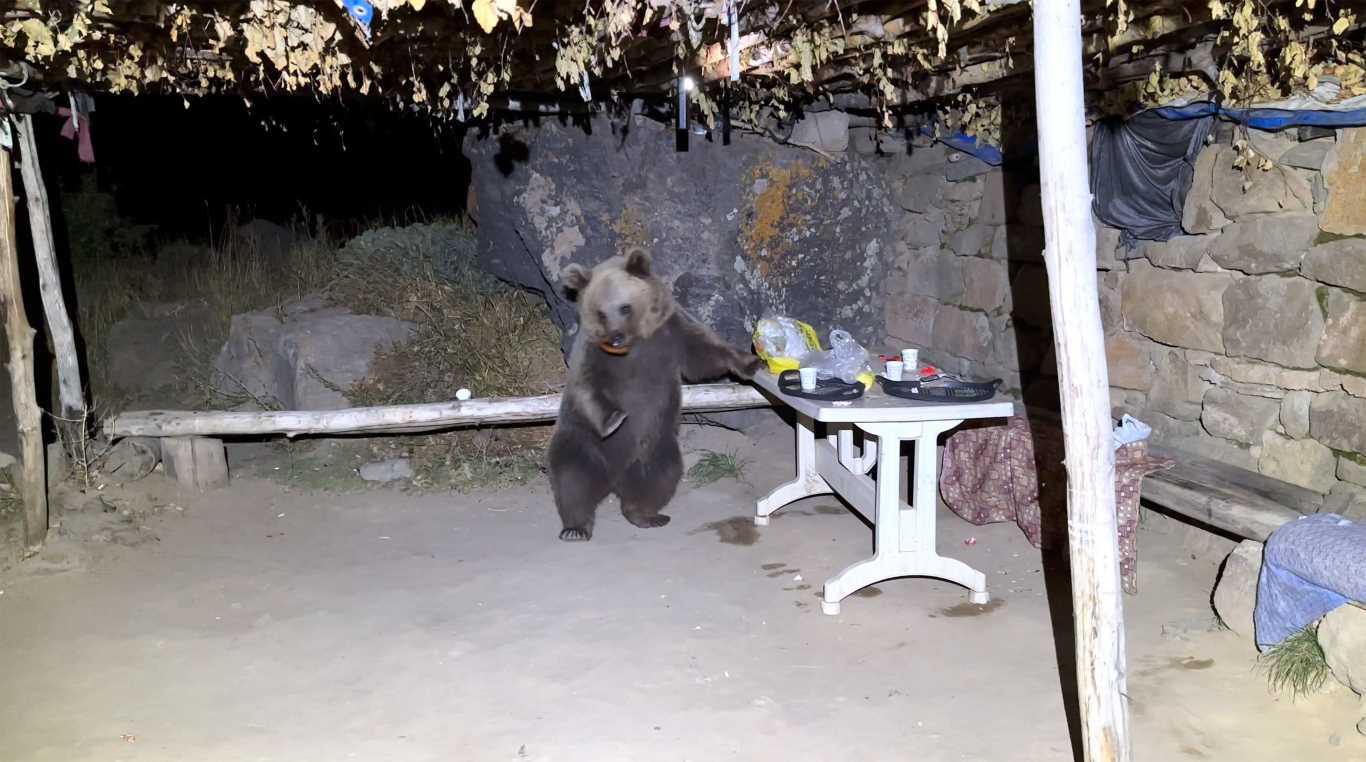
<point x="49" y="280"/>
<point x="1079" y="341"/>
<point x="20" y="338"/>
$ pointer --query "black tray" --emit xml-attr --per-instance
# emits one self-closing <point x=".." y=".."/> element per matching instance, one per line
<point x="943" y="390"/>
<point x="829" y="389"/>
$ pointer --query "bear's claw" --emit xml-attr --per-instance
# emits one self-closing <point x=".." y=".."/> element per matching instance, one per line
<point x="576" y="535"/>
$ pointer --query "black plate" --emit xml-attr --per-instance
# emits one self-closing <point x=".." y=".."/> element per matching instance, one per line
<point x="945" y="390"/>
<point x="829" y="389"/>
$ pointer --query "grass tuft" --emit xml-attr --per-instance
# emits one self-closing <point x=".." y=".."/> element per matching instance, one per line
<point x="715" y="466"/>
<point x="1297" y="664"/>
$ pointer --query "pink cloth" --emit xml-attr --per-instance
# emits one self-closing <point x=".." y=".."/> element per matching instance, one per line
<point x="84" y="148"/>
<point x="1015" y="473"/>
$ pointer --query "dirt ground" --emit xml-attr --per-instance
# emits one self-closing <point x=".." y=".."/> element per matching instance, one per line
<point x="270" y="623"/>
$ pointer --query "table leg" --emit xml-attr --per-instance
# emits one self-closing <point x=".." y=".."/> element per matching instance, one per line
<point x="808" y="481"/>
<point x="904" y="541"/>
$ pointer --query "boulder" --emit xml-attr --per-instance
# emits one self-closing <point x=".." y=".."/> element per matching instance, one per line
<point x="305" y="361"/>
<point x="792" y="231"/>
<point x="964" y="333"/>
<point x="910" y="319"/>
<point x="1352" y="468"/>
<point x="1183" y="252"/>
<point x="1344" y="332"/>
<point x="1338" y="263"/>
<point x="1302" y="462"/>
<point x="1309" y="154"/>
<point x="934" y="274"/>
<point x="1238" y="417"/>
<point x="824" y="131"/>
<point x="1295" y="413"/>
<point x="1344" y="174"/>
<point x="1242" y="193"/>
<point x="1266" y="243"/>
<point x="1273" y="318"/>
<point x="1235" y="593"/>
<point x="921" y="193"/>
<point x="1342" y="636"/>
<point x="1129" y="362"/>
<point x="1177" y="308"/>
<point x="1177" y="389"/>
<point x="986" y="284"/>
<point x="1201" y="214"/>
<point x="147" y="353"/>
<point x="971" y="241"/>
<point x="392" y="470"/>
<point x="1348" y="500"/>
<point x="1335" y="419"/>
<point x="921" y="230"/>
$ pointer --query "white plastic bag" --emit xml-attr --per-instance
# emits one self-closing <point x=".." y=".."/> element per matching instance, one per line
<point x="846" y="359"/>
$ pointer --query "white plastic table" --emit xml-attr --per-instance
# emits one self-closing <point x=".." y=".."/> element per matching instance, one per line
<point x="903" y="535"/>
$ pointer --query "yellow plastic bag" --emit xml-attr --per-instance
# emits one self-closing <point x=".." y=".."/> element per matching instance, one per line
<point x="782" y="343"/>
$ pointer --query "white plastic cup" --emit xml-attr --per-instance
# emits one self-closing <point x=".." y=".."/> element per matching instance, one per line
<point x="911" y="358"/>
<point x="894" y="369"/>
<point x="808" y="379"/>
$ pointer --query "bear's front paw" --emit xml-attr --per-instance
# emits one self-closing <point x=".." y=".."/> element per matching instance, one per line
<point x="612" y="423"/>
<point x="748" y="367"/>
<point x="576" y="535"/>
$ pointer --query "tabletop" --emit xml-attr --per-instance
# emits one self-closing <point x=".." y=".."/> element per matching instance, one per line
<point x="876" y="406"/>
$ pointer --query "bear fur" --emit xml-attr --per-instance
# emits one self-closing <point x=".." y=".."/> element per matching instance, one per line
<point x="617" y="431"/>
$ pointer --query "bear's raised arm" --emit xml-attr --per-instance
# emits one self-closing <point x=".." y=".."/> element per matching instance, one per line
<point x="604" y="416"/>
<point x="707" y="356"/>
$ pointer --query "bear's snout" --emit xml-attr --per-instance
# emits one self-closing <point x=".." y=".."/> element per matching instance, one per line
<point x="617" y="340"/>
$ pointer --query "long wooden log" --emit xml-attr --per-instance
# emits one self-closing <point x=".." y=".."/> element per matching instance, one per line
<point x="19" y="334"/>
<point x="69" y="395"/>
<point x="1083" y="379"/>
<point x="400" y="419"/>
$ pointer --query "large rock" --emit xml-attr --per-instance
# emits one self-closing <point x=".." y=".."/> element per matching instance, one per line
<point x="1303" y="462"/>
<point x="1352" y="468"/>
<point x="921" y="193"/>
<point x="1342" y="636"/>
<point x="1183" y="252"/>
<point x="1266" y="243"/>
<point x="1338" y="263"/>
<point x="921" y="230"/>
<point x="1295" y="413"/>
<point x="996" y="199"/>
<point x="824" y="131"/>
<point x="306" y="361"/>
<point x="1274" y="319"/>
<point x="964" y="333"/>
<point x="934" y="274"/>
<point x="971" y="241"/>
<point x="1177" y="389"/>
<point x="1344" y="174"/>
<point x="1347" y="500"/>
<point x="910" y="319"/>
<point x="1335" y="419"/>
<point x="786" y="232"/>
<point x="1235" y="594"/>
<point x="1238" y="417"/>
<point x="1177" y="308"/>
<point x="1344" y="332"/>
<point x="1309" y="154"/>
<point x="1276" y="190"/>
<point x="1201" y="214"/>
<point x="986" y="284"/>
<point x="1263" y="374"/>
<point x="1130" y="363"/>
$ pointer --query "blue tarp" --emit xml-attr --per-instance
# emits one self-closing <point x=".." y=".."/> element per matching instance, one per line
<point x="1266" y="118"/>
<point x="968" y="145"/>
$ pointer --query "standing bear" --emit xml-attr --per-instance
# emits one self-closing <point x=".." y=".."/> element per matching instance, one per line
<point x="618" y="427"/>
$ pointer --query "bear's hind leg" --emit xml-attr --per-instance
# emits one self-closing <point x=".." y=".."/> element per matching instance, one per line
<point x="579" y="482"/>
<point x="649" y="484"/>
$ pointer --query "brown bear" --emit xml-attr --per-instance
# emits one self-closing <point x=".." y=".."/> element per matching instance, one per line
<point x="618" y="427"/>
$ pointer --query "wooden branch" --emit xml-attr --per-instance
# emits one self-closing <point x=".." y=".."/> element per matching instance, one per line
<point x="1070" y="256"/>
<point x="49" y="280"/>
<point x="403" y="419"/>
<point x="19" y="334"/>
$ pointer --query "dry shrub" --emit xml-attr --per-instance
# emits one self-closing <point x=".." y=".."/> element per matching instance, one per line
<point x="472" y="332"/>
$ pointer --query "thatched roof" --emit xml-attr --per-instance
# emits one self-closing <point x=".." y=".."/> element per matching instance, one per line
<point x="465" y="57"/>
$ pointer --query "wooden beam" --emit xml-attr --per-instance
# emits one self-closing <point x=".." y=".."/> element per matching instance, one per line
<point x="1070" y="256"/>
<point x="398" y="419"/>
<point x="71" y="400"/>
<point x="19" y="335"/>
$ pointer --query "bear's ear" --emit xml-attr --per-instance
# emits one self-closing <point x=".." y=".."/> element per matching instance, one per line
<point x="638" y="263"/>
<point x="575" y="278"/>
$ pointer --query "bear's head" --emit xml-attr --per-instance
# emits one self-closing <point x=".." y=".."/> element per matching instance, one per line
<point x="620" y="301"/>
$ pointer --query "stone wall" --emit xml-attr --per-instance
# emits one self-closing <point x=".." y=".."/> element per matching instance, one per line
<point x="1243" y="341"/>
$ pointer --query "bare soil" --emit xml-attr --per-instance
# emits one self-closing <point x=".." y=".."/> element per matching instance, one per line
<point x="268" y="621"/>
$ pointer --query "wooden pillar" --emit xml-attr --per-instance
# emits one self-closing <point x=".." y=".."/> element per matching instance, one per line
<point x="70" y="398"/>
<point x="1078" y="337"/>
<point x="19" y="333"/>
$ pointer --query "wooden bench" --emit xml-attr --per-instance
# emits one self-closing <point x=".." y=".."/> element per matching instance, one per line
<point x="190" y="443"/>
